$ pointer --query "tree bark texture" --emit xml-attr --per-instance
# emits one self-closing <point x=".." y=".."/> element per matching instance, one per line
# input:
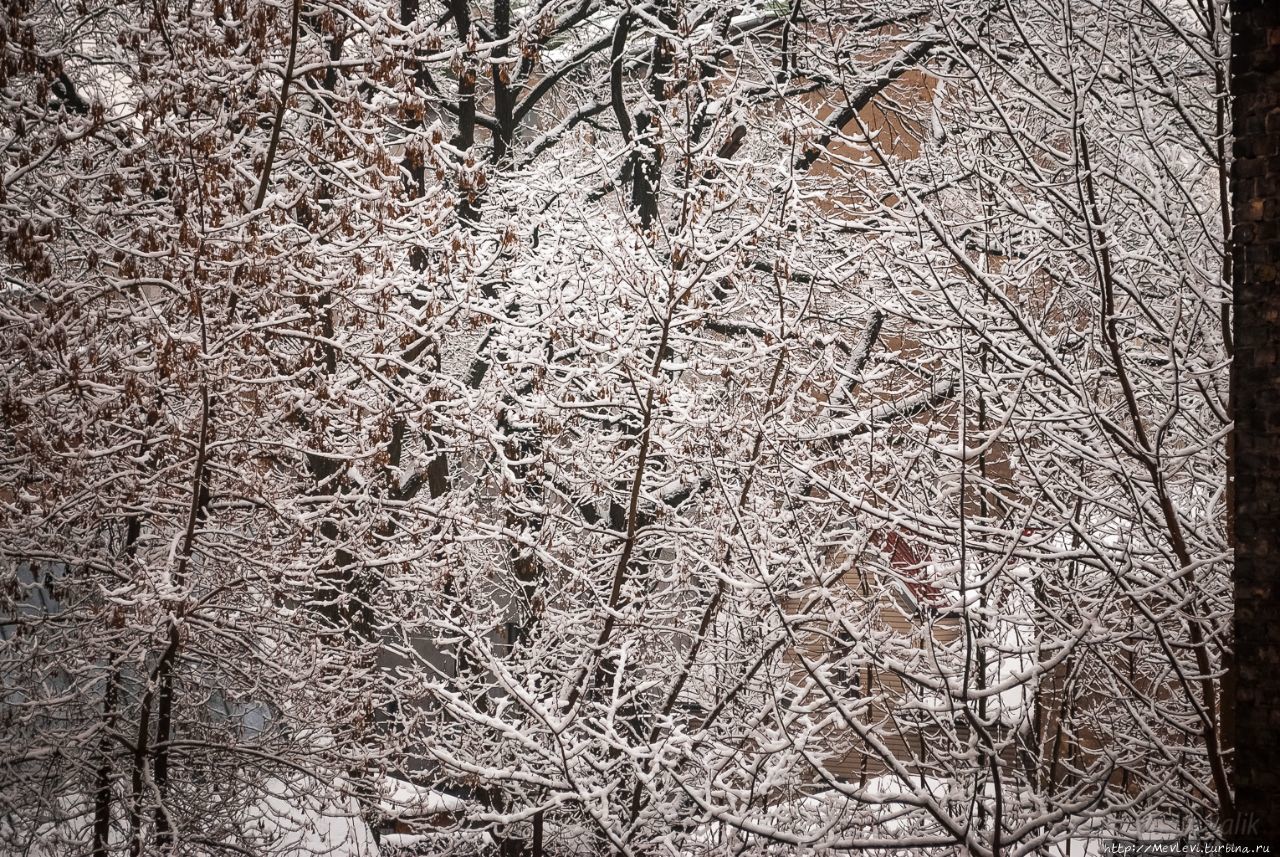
<point x="1255" y="392"/>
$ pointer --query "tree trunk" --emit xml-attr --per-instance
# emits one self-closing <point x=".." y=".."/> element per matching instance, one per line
<point x="1255" y="392"/>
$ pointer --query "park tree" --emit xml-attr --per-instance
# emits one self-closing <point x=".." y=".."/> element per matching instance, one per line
<point x="1254" y="69"/>
<point x="579" y="428"/>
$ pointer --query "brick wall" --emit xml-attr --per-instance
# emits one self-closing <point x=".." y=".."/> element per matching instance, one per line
<point x="1255" y="388"/>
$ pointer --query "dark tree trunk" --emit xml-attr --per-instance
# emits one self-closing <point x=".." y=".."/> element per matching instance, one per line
<point x="468" y="196"/>
<point x="1255" y="393"/>
<point x="102" y="781"/>
<point x="504" y="99"/>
